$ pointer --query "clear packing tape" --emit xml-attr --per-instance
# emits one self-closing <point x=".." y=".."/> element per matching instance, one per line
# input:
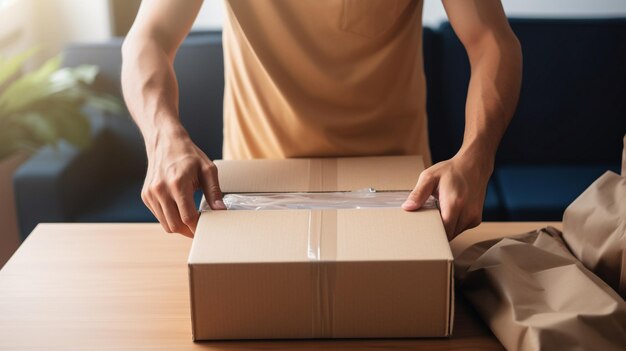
<point x="365" y="198"/>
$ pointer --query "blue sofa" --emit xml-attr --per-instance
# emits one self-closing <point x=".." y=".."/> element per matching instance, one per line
<point x="567" y="130"/>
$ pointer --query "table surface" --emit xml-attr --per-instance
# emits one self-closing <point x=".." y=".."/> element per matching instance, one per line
<point x="124" y="287"/>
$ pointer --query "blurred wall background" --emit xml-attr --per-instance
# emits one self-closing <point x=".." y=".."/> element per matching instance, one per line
<point x="51" y="24"/>
<point x="54" y="23"/>
<point x="212" y="13"/>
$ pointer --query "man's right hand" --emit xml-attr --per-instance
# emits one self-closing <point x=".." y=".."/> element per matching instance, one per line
<point x="176" y="168"/>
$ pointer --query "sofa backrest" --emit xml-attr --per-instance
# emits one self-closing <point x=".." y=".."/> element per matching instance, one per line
<point x="199" y="69"/>
<point x="572" y="106"/>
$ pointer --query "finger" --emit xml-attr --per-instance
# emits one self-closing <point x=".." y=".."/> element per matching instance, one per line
<point x="211" y="187"/>
<point x="468" y="219"/>
<point x="151" y="197"/>
<point x="461" y="225"/>
<point x="147" y="201"/>
<point x="187" y="208"/>
<point x="158" y="213"/>
<point x="450" y="205"/>
<point x="174" y="222"/>
<point x="426" y="185"/>
<point x="449" y="218"/>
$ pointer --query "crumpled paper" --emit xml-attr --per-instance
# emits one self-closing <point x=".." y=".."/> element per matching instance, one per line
<point x="535" y="295"/>
<point x="594" y="227"/>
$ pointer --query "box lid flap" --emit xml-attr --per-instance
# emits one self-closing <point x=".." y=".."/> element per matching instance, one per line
<point x="384" y="173"/>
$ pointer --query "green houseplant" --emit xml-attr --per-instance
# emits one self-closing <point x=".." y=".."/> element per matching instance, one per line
<point x="47" y="105"/>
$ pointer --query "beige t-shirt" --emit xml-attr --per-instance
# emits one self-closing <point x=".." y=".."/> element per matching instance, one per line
<point x="318" y="78"/>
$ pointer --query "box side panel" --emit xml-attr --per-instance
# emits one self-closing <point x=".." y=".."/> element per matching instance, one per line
<point x="390" y="299"/>
<point x="252" y="301"/>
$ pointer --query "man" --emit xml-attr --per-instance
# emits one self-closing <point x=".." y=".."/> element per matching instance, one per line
<point x="314" y="78"/>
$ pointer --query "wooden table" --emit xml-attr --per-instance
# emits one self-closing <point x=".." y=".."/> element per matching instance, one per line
<point x="124" y="287"/>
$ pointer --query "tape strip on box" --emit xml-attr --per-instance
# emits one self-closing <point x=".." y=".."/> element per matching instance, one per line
<point x="322" y="251"/>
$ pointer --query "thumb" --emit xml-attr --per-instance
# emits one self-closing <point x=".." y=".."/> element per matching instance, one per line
<point x="211" y="187"/>
<point x="425" y="186"/>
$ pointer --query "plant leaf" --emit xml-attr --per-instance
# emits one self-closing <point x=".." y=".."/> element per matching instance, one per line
<point x="72" y="124"/>
<point x="39" y="127"/>
<point x="105" y="102"/>
<point x="10" y="67"/>
<point x="29" y="87"/>
<point x="15" y="137"/>
<point x="8" y="141"/>
<point x="85" y="73"/>
<point x="46" y="105"/>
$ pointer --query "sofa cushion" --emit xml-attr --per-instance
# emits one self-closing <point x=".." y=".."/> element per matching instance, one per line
<point x="538" y="193"/>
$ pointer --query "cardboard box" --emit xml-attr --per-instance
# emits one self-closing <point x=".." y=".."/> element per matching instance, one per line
<point x="329" y="273"/>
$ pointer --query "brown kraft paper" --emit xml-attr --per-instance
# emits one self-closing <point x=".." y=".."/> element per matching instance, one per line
<point x="594" y="227"/>
<point x="535" y="295"/>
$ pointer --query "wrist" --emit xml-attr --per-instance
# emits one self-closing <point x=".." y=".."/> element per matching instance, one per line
<point x="165" y="133"/>
<point x="477" y="155"/>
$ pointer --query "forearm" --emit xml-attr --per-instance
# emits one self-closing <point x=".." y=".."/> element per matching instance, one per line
<point x="495" y="57"/>
<point x="176" y="166"/>
<point x="496" y="66"/>
<point x="150" y="89"/>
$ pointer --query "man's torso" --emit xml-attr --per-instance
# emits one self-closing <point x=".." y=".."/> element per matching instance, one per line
<point x="324" y="78"/>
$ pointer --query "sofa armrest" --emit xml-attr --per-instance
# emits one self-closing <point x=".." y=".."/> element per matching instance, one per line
<point x="55" y="182"/>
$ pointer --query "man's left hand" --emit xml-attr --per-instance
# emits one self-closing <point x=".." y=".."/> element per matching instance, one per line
<point x="459" y="184"/>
